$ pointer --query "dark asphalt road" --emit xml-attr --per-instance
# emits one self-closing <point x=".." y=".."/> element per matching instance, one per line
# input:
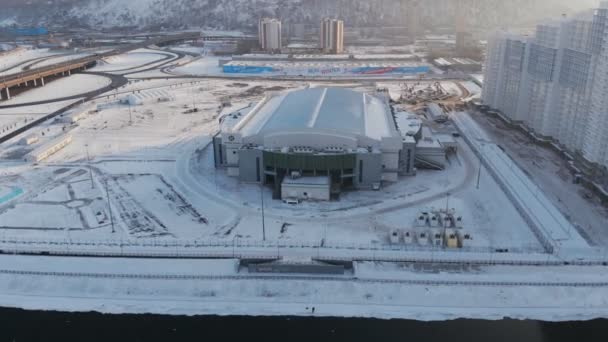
<point x="117" y="82"/>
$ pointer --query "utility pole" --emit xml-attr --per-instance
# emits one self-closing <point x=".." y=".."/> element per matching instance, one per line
<point x="479" y="173"/>
<point x="130" y="115"/>
<point x="110" y="207"/>
<point x="445" y="228"/>
<point x="90" y="169"/>
<point x="193" y="100"/>
<point x="263" y="217"/>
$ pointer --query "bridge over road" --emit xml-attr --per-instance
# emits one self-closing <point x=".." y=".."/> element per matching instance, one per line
<point x="36" y="77"/>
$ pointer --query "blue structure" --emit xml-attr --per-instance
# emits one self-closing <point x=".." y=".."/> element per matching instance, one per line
<point x="336" y="70"/>
<point x="391" y="70"/>
<point x="246" y="69"/>
<point x="14" y="193"/>
<point x="27" y="31"/>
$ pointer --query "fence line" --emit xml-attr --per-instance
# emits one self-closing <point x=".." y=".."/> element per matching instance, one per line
<point x="271" y="250"/>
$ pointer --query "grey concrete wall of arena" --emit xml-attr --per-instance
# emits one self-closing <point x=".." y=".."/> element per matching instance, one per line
<point x="219" y="153"/>
<point x="368" y="170"/>
<point x="251" y="166"/>
<point x="407" y="159"/>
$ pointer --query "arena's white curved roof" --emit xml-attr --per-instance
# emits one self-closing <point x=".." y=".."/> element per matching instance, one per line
<point x="324" y="109"/>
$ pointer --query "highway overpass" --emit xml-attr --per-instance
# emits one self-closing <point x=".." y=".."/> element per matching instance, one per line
<point x="36" y="77"/>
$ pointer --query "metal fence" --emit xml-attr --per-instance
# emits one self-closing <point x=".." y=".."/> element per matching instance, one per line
<point x="268" y="250"/>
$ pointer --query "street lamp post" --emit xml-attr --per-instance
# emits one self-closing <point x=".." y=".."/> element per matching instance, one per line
<point x="110" y="207"/>
<point x="479" y="173"/>
<point x="89" y="164"/>
<point x="193" y="100"/>
<point x="445" y="228"/>
<point x="263" y="217"/>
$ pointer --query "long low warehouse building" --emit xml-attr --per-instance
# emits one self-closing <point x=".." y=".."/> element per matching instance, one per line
<point x="43" y="152"/>
<point x="327" y="68"/>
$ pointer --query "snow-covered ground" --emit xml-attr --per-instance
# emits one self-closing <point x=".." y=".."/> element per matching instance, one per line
<point x="473" y="89"/>
<point x="140" y="180"/>
<point x="188" y="287"/>
<point x="478" y="78"/>
<point x="379" y="50"/>
<point x="129" y="62"/>
<point x="61" y="59"/>
<point x="67" y="86"/>
<point x="550" y="172"/>
<point x="208" y="65"/>
<point x="15" y="118"/>
<point x="157" y="166"/>
<point x="199" y="50"/>
<point x="10" y="61"/>
<point x="538" y="210"/>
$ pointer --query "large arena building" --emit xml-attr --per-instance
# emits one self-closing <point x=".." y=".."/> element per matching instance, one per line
<point x="315" y="143"/>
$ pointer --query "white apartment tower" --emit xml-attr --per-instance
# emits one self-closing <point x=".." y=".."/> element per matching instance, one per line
<point x="552" y="82"/>
<point x="504" y="73"/>
<point x="596" y="142"/>
<point x="270" y="34"/>
<point x="332" y="36"/>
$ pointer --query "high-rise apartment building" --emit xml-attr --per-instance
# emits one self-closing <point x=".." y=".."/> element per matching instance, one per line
<point x="270" y="34"/>
<point x="555" y="82"/>
<point x="332" y="36"/>
<point x="596" y="143"/>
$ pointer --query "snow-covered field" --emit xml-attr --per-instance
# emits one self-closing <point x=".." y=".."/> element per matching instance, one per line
<point x="189" y="49"/>
<point x="61" y="59"/>
<point x="127" y="62"/>
<point x="15" y="118"/>
<point x="473" y="89"/>
<point x="154" y="159"/>
<point x="10" y="61"/>
<point x="550" y="172"/>
<point x="207" y="65"/>
<point x="188" y="287"/>
<point x="67" y="86"/>
<point x="141" y="179"/>
<point x="541" y="214"/>
<point x="155" y="155"/>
